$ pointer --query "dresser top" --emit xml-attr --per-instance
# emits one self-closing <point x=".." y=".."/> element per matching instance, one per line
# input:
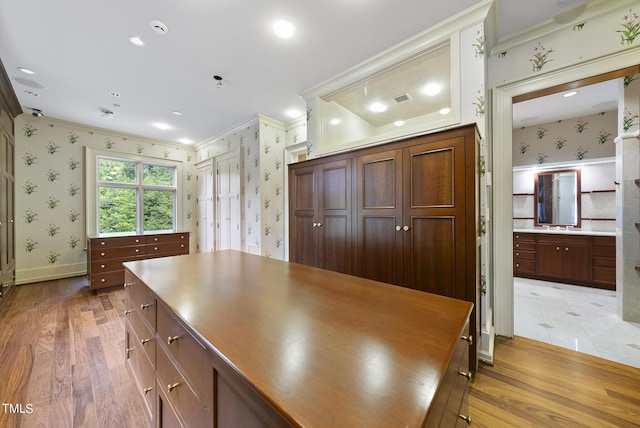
<point x="325" y="349"/>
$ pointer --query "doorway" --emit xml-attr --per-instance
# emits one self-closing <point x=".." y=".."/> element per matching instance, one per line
<point x="228" y="203"/>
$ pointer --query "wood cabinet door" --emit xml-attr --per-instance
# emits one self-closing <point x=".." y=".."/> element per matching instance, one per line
<point x="302" y="210"/>
<point x="576" y="261"/>
<point x="549" y="259"/>
<point x="434" y="211"/>
<point x="334" y="216"/>
<point x="379" y="223"/>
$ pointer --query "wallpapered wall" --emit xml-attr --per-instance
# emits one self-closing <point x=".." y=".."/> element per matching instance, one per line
<point x="263" y="143"/>
<point x="586" y="137"/>
<point x="50" y="192"/>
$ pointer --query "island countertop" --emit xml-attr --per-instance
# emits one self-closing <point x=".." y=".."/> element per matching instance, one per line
<point x="324" y="349"/>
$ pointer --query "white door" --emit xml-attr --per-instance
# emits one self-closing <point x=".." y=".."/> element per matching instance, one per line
<point x="205" y="209"/>
<point x="228" y="205"/>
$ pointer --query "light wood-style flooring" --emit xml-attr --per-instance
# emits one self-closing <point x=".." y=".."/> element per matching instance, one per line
<point x="62" y="353"/>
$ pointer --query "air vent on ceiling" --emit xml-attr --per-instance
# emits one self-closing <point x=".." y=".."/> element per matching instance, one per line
<point x="402" y="98"/>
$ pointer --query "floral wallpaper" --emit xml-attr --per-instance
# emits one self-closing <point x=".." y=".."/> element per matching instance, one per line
<point x="50" y="192"/>
<point x="587" y="137"/>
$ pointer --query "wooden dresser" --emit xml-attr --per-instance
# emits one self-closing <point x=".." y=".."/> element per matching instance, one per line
<point x="106" y="255"/>
<point x="252" y="341"/>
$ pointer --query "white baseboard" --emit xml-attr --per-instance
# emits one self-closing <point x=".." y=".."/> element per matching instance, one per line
<point x="26" y="276"/>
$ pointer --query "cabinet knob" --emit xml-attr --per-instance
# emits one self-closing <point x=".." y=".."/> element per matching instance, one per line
<point x="155" y="239"/>
<point x="102" y="254"/>
<point x="102" y="266"/>
<point x="558" y="248"/>
<point x="126" y="284"/>
<point x="319" y="224"/>
<point x="144" y="341"/>
<point x="171" y="387"/>
<point x="517" y="245"/>
<point x="103" y="280"/>
<point x="517" y="254"/>
<point x="147" y="390"/>
<point x="406" y="228"/>
<point x="127" y="312"/>
<point x="102" y="243"/>
<point x="137" y="250"/>
<point x="172" y="339"/>
<point x="566" y="248"/>
<point x="144" y="306"/>
<point x="517" y="265"/>
<point x="398" y="228"/>
<point x="468" y="339"/>
<point x="467" y="419"/>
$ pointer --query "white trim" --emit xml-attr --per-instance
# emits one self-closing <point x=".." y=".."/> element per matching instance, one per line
<point x="565" y="164"/>
<point x="247" y="123"/>
<point x="503" y="168"/>
<point x="47" y="273"/>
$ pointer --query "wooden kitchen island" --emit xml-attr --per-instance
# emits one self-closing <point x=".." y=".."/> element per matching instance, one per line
<point x="229" y="339"/>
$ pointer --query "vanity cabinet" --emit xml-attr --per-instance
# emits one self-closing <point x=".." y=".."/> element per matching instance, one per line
<point x="567" y="258"/>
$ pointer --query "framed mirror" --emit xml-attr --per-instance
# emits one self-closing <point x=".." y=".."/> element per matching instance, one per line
<point x="557" y="198"/>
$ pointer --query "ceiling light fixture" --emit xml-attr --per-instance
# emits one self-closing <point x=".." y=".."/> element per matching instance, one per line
<point x="570" y="94"/>
<point x="163" y="126"/>
<point x="432" y="89"/>
<point x="37" y="112"/>
<point x="219" y="80"/>
<point x="377" y="107"/>
<point x="114" y="94"/>
<point x="283" y="28"/>
<point x="159" y="26"/>
<point x="135" y="40"/>
<point x="26" y="70"/>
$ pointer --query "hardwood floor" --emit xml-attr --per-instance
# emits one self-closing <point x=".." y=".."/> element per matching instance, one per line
<point x="534" y="384"/>
<point x="62" y="365"/>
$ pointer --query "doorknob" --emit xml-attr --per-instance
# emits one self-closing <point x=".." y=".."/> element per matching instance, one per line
<point x="406" y="228"/>
<point x="398" y="228"/>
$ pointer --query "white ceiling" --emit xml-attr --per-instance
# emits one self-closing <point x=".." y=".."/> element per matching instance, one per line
<point x="80" y="53"/>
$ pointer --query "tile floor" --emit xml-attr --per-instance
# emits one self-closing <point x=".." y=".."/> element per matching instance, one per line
<point x="579" y="318"/>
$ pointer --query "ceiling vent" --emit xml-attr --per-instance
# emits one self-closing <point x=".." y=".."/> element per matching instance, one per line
<point x="402" y="98"/>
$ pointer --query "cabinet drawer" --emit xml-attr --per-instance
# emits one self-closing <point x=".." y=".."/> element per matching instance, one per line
<point x="524" y="237"/>
<point x="604" y="275"/>
<point x="120" y="241"/>
<point x="524" y="266"/>
<point x="598" y="250"/>
<point x="563" y="240"/>
<point x="524" y="254"/>
<point x="106" y="279"/>
<point x="168" y="248"/>
<point x="117" y="253"/>
<point x="109" y="265"/>
<point x="186" y="350"/>
<point x="606" y="262"/>
<point x="168" y="237"/>
<point x="139" y="298"/>
<point x="145" y="339"/>
<point x="141" y="369"/>
<point x="529" y="246"/>
<point x="604" y="241"/>
<point x="184" y="399"/>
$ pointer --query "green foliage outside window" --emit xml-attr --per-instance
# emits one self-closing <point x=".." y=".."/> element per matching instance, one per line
<point x="118" y="194"/>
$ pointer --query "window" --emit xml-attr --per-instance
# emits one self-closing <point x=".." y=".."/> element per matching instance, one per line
<point x="134" y="196"/>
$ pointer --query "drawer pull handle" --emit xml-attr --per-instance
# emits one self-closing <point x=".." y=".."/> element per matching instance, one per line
<point x="468" y="375"/>
<point x="102" y="254"/>
<point x="468" y="339"/>
<point x="172" y="339"/>
<point x="103" y="266"/>
<point x="181" y="236"/>
<point x="147" y="390"/>
<point x="155" y="248"/>
<point x="126" y="284"/>
<point x="102" y="243"/>
<point x="155" y="239"/>
<point x="103" y="280"/>
<point x="144" y="306"/>
<point x="137" y="250"/>
<point x="137" y="241"/>
<point x="558" y="248"/>
<point x="181" y="245"/>
<point x="466" y="418"/>
<point x="172" y="387"/>
<point x="144" y="341"/>
<point x="129" y="350"/>
<point x="127" y="312"/>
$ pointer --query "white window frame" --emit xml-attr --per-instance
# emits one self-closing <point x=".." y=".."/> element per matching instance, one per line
<point x="92" y="184"/>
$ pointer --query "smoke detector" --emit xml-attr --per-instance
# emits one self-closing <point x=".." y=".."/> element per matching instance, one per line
<point x="402" y="98"/>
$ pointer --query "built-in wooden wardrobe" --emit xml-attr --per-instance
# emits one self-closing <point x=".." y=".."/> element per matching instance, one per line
<point x="405" y="213"/>
<point x="9" y="109"/>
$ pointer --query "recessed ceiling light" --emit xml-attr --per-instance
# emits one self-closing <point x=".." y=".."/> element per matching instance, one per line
<point x="445" y="110"/>
<point x="335" y="121"/>
<point x="399" y="123"/>
<point x="163" y="126"/>
<point x="570" y="94"/>
<point x="293" y="113"/>
<point x="283" y="28"/>
<point x="26" y="70"/>
<point x="135" y="40"/>
<point x="158" y="26"/>
<point x="432" y="89"/>
<point x="377" y="107"/>
<point x="114" y="94"/>
<point x="177" y="113"/>
<point x="185" y="141"/>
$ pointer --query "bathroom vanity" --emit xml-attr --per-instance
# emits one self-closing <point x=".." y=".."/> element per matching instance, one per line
<point x="571" y="257"/>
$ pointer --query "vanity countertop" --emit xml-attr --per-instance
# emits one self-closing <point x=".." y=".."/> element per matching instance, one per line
<point x="563" y="231"/>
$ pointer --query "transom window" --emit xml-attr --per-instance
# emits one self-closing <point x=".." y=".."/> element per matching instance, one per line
<point x="135" y="196"/>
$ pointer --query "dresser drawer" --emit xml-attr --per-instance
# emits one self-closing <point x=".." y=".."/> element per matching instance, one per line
<point x="120" y="241"/>
<point x="168" y="237"/>
<point x="186" y="350"/>
<point x="117" y="253"/>
<point x="141" y="369"/>
<point x="146" y="340"/>
<point x="524" y="254"/>
<point x="528" y="246"/>
<point x="100" y="266"/>
<point x="524" y="266"/>
<point x="167" y="248"/>
<point x="106" y="279"/>
<point x="185" y="401"/>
